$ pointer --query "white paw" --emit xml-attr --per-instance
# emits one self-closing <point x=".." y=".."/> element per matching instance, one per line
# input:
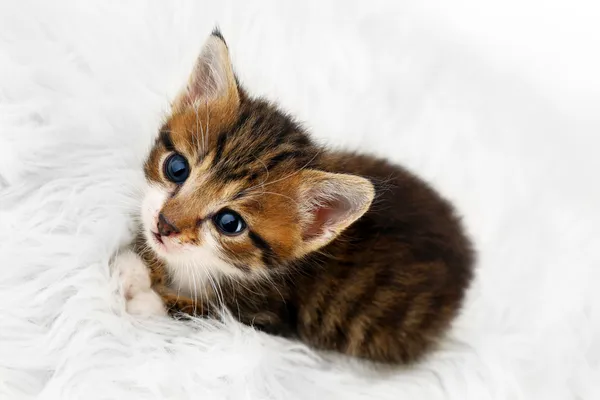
<point x="134" y="278"/>
<point x="146" y="303"/>
<point x="133" y="274"/>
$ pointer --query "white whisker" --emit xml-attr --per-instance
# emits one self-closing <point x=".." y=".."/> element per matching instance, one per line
<point x="207" y="120"/>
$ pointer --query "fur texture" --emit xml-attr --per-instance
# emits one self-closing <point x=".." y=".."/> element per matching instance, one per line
<point x="80" y="102"/>
<point x="345" y="252"/>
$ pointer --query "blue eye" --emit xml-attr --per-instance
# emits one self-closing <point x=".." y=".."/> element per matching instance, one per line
<point x="176" y="168"/>
<point x="229" y="222"/>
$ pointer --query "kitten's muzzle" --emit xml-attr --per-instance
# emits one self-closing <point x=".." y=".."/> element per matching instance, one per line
<point x="165" y="227"/>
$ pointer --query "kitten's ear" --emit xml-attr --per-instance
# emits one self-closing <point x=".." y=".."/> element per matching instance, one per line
<point x="212" y="78"/>
<point x="329" y="203"/>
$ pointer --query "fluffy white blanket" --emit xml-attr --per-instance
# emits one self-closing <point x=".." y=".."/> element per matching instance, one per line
<point x="492" y="105"/>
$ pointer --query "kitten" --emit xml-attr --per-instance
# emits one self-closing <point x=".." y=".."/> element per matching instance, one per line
<point x="345" y="252"/>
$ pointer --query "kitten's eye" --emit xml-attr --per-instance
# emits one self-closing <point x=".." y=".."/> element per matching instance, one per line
<point x="229" y="222"/>
<point x="176" y="168"/>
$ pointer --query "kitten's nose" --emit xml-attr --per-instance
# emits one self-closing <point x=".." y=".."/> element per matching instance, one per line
<point x="165" y="228"/>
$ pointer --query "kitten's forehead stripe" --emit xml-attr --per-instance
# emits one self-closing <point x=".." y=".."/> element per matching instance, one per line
<point x="258" y="142"/>
<point x="221" y="141"/>
<point x="284" y="156"/>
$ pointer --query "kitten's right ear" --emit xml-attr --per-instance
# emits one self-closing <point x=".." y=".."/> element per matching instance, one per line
<point x="212" y="79"/>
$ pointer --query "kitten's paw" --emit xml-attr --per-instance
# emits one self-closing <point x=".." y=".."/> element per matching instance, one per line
<point x="133" y="274"/>
<point x="146" y="303"/>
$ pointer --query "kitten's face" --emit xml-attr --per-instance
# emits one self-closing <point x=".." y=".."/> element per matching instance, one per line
<point x="206" y="178"/>
<point x="231" y="190"/>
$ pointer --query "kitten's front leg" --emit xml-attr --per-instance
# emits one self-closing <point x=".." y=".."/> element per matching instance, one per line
<point x="137" y="286"/>
<point x="145" y="291"/>
<point x="177" y="304"/>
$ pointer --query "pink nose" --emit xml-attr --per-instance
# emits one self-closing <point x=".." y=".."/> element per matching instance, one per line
<point x="165" y="228"/>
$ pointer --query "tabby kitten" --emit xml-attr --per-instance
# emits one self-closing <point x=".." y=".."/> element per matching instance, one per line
<point x="346" y="252"/>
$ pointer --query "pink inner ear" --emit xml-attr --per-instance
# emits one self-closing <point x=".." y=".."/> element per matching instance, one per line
<point x="317" y="225"/>
<point x="325" y="215"/>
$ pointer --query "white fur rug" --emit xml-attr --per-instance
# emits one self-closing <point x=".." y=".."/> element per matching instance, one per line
<point x="494" y="104"/>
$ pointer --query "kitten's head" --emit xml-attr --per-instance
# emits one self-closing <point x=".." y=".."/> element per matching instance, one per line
<point x="233" y="186"/>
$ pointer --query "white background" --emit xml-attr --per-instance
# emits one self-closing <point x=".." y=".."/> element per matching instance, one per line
<point x="495" y="103"/>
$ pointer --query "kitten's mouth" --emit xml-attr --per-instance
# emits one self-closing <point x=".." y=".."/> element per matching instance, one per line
<point x="157" y="237"/>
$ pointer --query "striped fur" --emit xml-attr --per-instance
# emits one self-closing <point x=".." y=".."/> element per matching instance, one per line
<point x="345" y="252"/>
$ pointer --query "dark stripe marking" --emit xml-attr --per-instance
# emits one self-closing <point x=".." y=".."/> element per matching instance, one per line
<point x="257" y="122"/>
<point x="388" y="321"/>
<point x="175" y="191"/>
<point x="242" y="119"/>
<point x="221" y="141"/>
<point x="260" y="243"/>
<point x="283" y="156"/>
<point x="365" y="300"/>
<point x="165" y="138"/>
<point x="341" y="278"/>
<point x="234" y="176"/>
<point x="299" y="140"/>
<point x="253" y="176"/>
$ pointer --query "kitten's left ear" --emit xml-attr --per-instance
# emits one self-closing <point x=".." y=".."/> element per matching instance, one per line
<point x="212" y="79"/>
<point x="329" y="203"/>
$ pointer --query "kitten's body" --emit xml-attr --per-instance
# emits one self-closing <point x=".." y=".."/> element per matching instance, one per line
<point x="346" y="252"/>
